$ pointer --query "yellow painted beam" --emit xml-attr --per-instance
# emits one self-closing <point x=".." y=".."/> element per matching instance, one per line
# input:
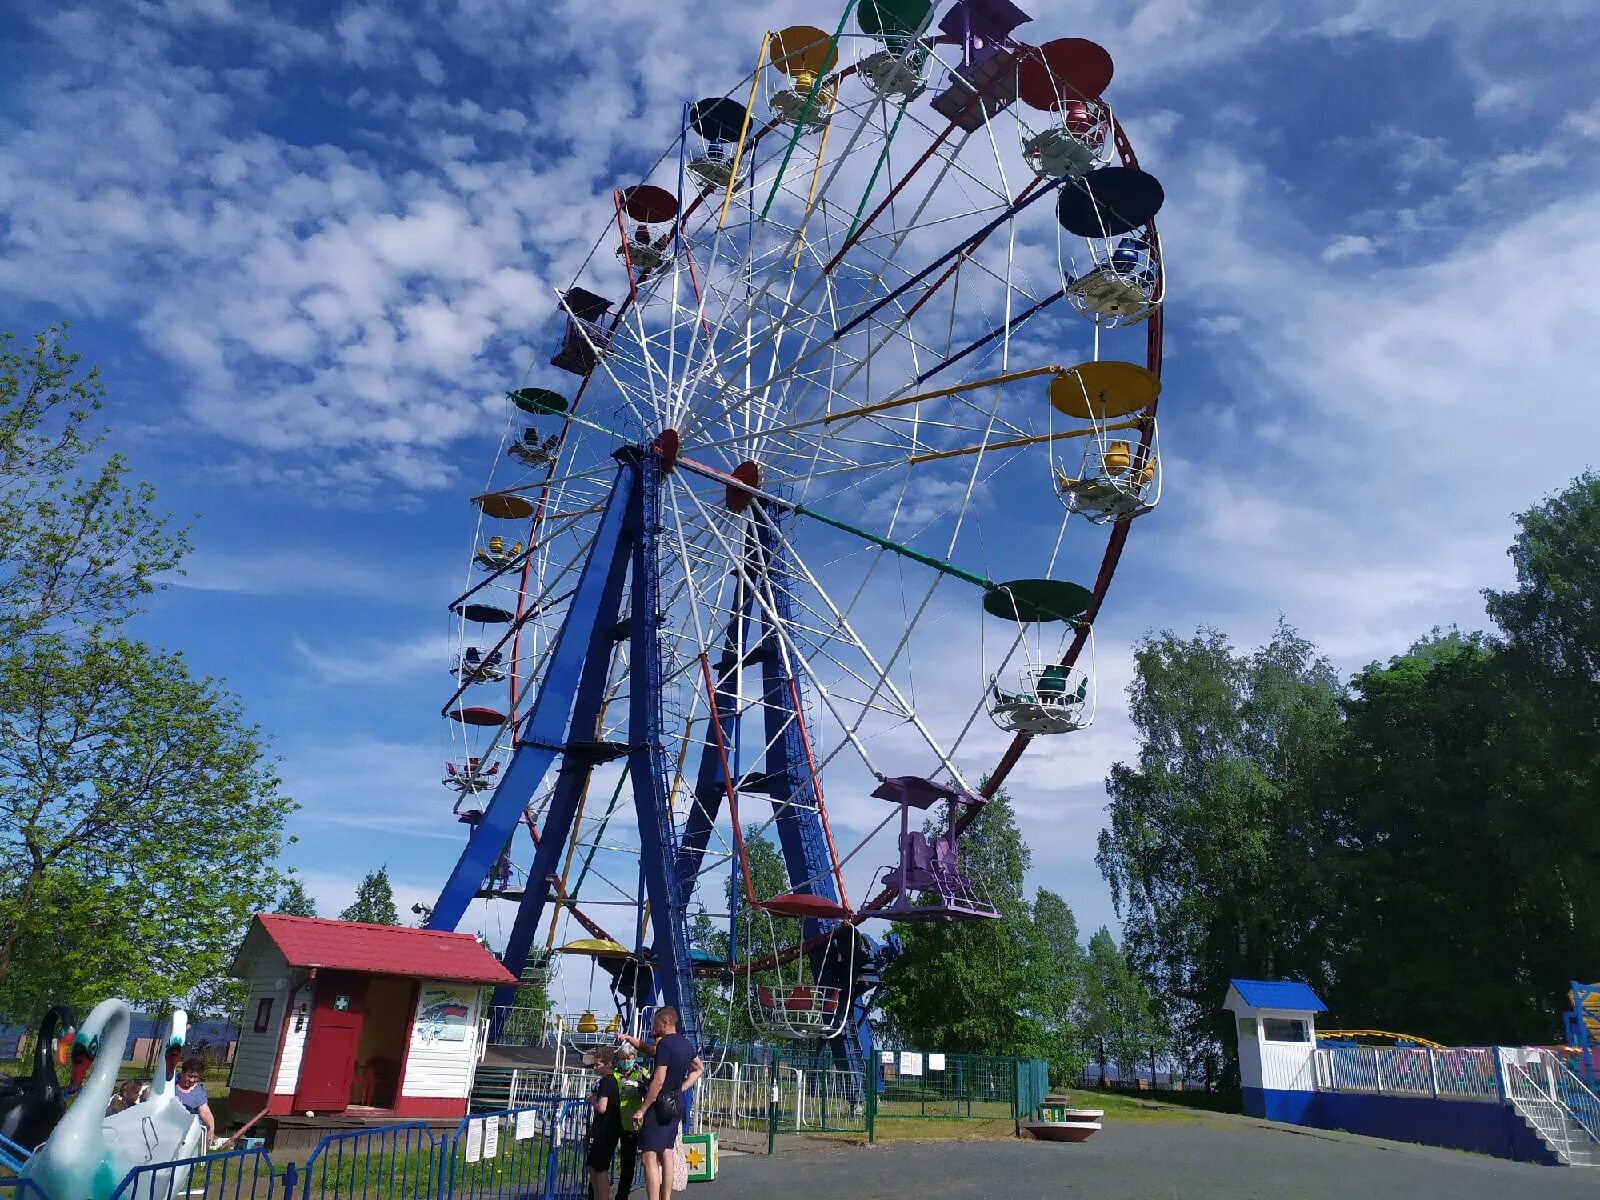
<point x="1010" y="377"/>
<point x="738" y="151"/>
<point x="1379" y="1033"/>
<point x="1023" y="441"/>
<point x="811" y="196"/>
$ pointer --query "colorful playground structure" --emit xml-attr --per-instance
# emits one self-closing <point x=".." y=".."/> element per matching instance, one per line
<point x="784" y="385"/>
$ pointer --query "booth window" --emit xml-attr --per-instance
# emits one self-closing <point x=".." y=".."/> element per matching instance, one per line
<point x="263" y="1014"/>
<point x="1277" y="1029"/>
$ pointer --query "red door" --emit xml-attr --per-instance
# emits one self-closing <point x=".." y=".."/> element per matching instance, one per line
<point x="328" y="1065"/>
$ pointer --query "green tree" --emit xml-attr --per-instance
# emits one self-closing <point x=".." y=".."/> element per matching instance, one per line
<point x="139" y="821"/>
<point x="294" y="900"/>
<point x="1056" y="982"/>
<point x="374" y="902"/>
<point x="1120" y="1020"/>
<point x="138" y="817"/>
<point x="80" y="543"/>
<point x="1466" y="849"/>
<point x="965" y="986"/>
<point x="1217" y="833"/>
<point x="1552" y="616"/>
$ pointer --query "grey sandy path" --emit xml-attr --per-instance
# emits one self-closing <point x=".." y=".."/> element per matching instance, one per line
<point x="1192" y="1160"/>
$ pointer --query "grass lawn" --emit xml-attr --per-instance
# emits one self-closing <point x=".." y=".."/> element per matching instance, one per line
<point x="994" y="1120"/>
<point x="1120" y="1106"/>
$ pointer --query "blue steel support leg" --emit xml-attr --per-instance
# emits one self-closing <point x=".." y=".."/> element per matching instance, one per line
<point x="711" y="784"/>
<point x="545" y="728"/>
<point x="647" y="763"/>
<point x="789" y="780"/>
<point x="576" y="764"/>
<point x="794" y="794"/>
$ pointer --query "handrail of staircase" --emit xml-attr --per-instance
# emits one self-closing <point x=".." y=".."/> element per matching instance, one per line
<point x="1533" y="1102"/>
<point x="1574" y="1095"/>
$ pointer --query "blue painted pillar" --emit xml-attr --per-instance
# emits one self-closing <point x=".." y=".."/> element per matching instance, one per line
<point x="648" y="763"/>
<point x="546" y="729"/>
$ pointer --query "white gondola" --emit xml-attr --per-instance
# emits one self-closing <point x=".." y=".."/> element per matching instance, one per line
<point x="641" y="252"/>
<point x="493" y="555"/>
<point x="790" y="1001"/>
<point x="1031" y="692"/>
<point x="803" y="53"/>
<point x="1119" y="284"/>
<point x="471" y="777"/>
<point x="896" y="71"/>
<point x="1077" y="140"/>
<point x="1050" y="699"/>
<point x="587" y="1029"/>
<point x="713" y="166"/>
<point x="1117" y="479"/>
<point x="476" y="667"/>
<point x="534" y="450"/>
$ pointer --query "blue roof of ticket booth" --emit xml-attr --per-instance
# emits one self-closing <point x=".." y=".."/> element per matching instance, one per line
<point x="1283" y="995"/>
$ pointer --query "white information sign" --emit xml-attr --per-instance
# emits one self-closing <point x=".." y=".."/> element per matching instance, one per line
<point x="527" y="1124"/>
<point x="910" y="1064"/>
<point x="491" y="1137"/>
<point x="474" y="1141"/>
<point x="886" y="1057"/>
<point x="935" y="1062"/>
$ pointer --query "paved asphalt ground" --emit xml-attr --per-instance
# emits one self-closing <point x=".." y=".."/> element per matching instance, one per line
<point x="1189" y="1160"/>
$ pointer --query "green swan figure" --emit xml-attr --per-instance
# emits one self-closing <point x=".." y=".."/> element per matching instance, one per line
<point x="89" y="1153"/>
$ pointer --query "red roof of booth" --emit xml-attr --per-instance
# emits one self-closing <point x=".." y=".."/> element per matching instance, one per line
<point x="377" y="949"/>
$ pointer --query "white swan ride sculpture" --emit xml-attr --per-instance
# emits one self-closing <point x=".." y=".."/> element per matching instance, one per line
<point x="89" y="1153"/>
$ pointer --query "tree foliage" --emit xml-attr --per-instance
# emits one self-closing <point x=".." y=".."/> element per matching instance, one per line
<point x="1121" y="1025"/>
<point x="1417" y="844"/>
<point x="1215" y="832"/>
<point x="294" y="900"/>
<point x="138" y="823"/>
<point x="139" y="818"/>
<point x="80" y="543"/>
<point x="1553" y="614"/>
<point x="1058" y="986"/>
<point x="374" y="901"/>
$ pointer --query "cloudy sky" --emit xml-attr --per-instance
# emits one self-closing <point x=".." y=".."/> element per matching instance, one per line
<point x="310" y="244"/>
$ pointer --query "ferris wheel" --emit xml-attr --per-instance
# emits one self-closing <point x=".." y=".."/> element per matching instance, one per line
<point x="847" y="418"/>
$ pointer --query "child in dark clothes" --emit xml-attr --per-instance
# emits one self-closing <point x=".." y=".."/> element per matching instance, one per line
<point x="605" y="1129"/>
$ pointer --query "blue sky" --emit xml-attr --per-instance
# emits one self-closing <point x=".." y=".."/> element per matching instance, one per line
<point x="312" y="245"/>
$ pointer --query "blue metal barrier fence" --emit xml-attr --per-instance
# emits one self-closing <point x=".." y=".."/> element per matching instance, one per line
<point x="534" y="1152"/>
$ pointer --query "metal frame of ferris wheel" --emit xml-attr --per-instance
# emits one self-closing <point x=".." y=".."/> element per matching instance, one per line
<point x="620" y="581"/>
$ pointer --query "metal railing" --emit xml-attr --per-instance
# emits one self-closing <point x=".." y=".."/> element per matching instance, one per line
<point x="1463" y="1073"/>
<point x="733" y="1096"/>
<point x="536" y="1151"/>
<point x="530" y="1153"/>
<point x="829" y="1101"/>
<point x="387" y="1162"/>
<point x="1574" y="1093"/>
<point x="916" y="1084"/>
<point x="234" y="1175"/>
<point x="1534" y="1099"/>
<point x="20" y="1189"/>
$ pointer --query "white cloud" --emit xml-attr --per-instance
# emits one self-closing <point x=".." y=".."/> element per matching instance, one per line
<point x="1349" y="245"/>
<point x="383" y="661"/>
<point x="299" y="572"/>
<point x="1586" y="122"/>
